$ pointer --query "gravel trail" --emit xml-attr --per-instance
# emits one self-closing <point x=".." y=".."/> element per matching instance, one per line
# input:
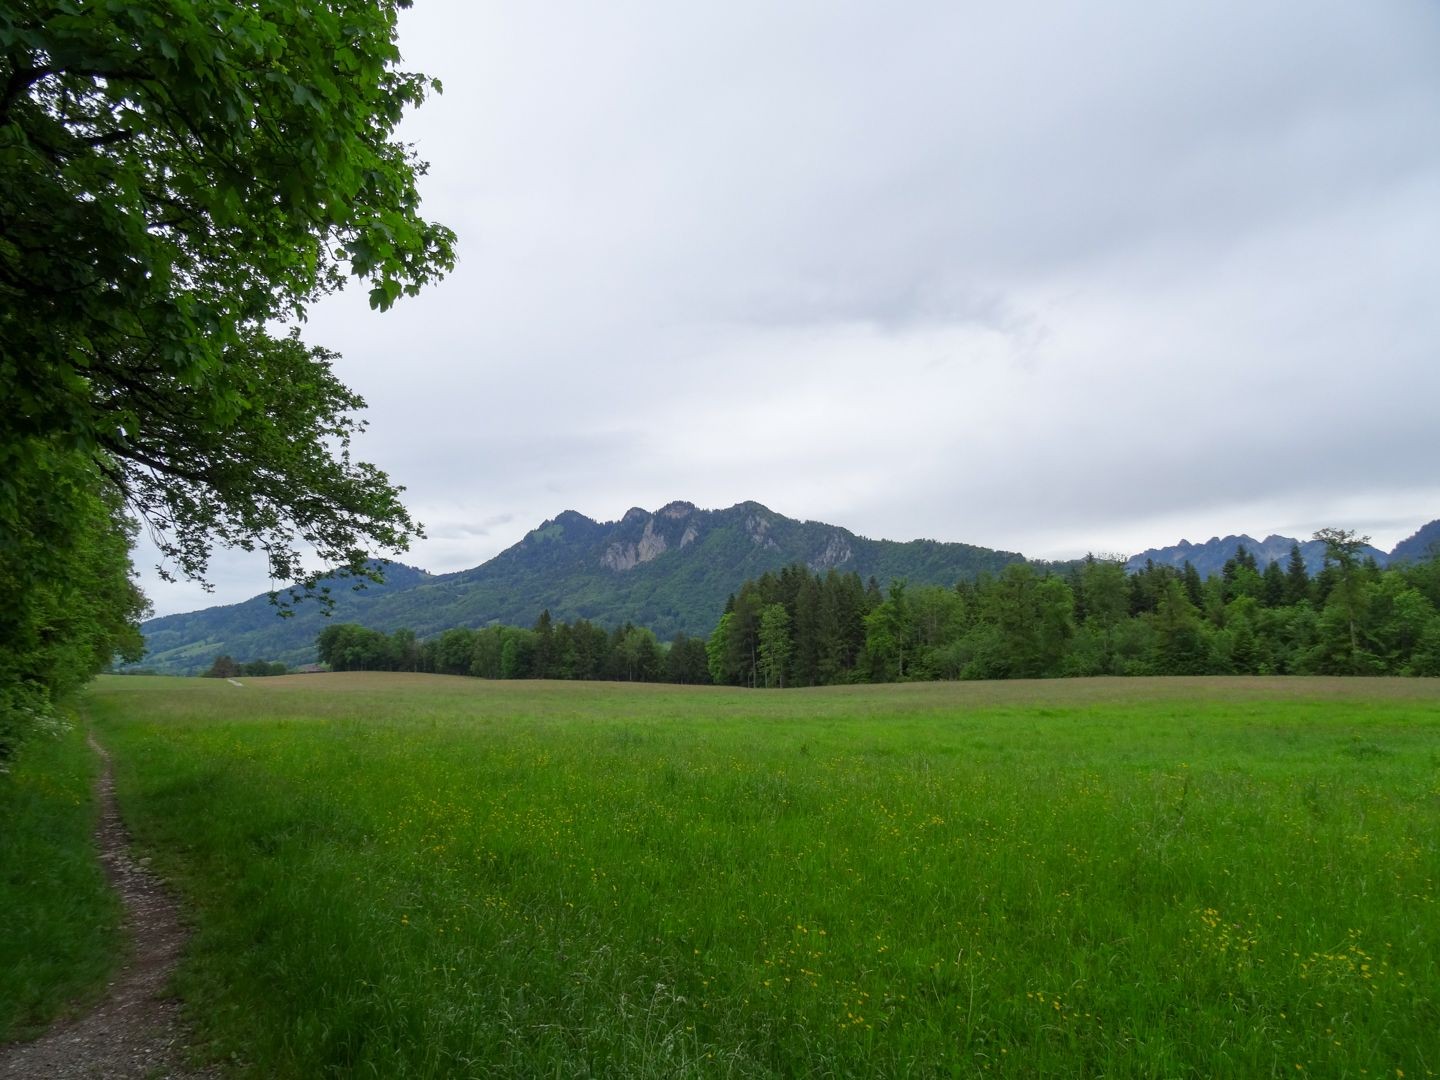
<point x="135" y="1031"/>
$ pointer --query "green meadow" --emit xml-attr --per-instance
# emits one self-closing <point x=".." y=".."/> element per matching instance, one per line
<point x="395" y="875"/>
<point x="58" y="918"/>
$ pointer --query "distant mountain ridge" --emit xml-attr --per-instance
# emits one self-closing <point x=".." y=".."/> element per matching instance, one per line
<point x="1423" y="543"/>
<point x="1210" y="557"/>
<point x="189" y="642"/>
<point x="670" y="570"/>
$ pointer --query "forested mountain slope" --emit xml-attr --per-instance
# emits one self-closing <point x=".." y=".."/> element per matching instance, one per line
<point x="1420" y="545"/>
<point x="670" y="571"/>
<point x="255" y="629"/>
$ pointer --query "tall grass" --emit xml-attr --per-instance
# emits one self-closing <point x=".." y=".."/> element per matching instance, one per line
<point x="58" y="920"/>
<point x="420" y="876"/>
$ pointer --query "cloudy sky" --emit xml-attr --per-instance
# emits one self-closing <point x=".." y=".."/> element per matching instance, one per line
<point x="1041" y="276"/>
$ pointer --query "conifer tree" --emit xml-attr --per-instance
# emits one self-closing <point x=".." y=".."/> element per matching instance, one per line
<point x="1297" y="578"/>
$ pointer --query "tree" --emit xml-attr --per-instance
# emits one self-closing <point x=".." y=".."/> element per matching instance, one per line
<point x="1179" y="643"/>
<point x="718" y="651"/>
<point x="224" y="667"/>
<point x="486" y="655"/>
<point x="175" y="180"/>
<point x="517" y="653"/>
<point x="1010" y="604"/>
<point x="546" y="659"/>
<point x="1272" y="593"/>
<point x="259" y="668"/>
<point x="686" y="661"/>
<point x="351" y="647"/>
<point x="1194" y="585"/>
<point x="1242" y="651"/>
<point x="455" y="651"/>
<point x="405" y="650"/>
<point x="774" y="643"/>
<point x="889" y="633"/>
<point x="1342" y="550"/>
<point x="1056" y="609"/>
<point x="1297" y="578"/>
<point x="938" y="618"/>
<point x="1103" y="586"/>
<point x="840" y="625"/>
<point x="742" y="634"/>
<point x="590" y="642"/>
<point x="1240" y="576"/>
<point x="806" y="661"/>
<point x="635" y="654"/>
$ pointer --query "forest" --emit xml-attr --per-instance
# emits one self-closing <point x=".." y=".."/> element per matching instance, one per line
<point x="800" y="628"/>
<point x="549" y="650"/>
<point x="1353" y="618"/>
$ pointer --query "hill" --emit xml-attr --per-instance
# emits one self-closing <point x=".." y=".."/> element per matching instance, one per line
<point x="256" y="630"/>
<point x="670" y="570"/>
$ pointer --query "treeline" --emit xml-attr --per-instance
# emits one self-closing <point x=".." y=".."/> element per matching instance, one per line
<point x="548" y="650"/>
<point x="227" y="667"/>
<point x="796" y="628"/>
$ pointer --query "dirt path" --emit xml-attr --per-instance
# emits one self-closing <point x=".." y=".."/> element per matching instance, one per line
<point x="135" y="1031"/>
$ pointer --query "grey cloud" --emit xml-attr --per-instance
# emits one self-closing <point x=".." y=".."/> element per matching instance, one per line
<point x="1033" y="275"/>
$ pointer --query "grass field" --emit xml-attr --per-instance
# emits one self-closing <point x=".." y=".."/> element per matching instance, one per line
<point x="58" y="918"/>
<point x="419" y="876"/>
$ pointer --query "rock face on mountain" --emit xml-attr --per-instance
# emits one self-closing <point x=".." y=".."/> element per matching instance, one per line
<point x="670" y="570"/>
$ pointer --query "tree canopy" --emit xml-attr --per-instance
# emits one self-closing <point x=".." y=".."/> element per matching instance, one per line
<point x="175" y="178"/>
<point x="796" y="628"/>
<point x="178" y="178"/>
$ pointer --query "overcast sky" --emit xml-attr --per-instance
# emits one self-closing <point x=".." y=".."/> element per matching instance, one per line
<point x="1046" y="277"/>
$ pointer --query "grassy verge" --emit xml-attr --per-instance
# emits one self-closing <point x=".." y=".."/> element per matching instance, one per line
<point x="58" y="918"/>
<point x="419" y="876"/>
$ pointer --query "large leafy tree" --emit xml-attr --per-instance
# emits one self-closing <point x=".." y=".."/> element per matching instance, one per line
<point x="178" y="180"/>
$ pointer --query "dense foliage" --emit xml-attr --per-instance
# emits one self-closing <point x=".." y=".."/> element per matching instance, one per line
<point x="67" y="603"/>
<point x="796" y="628"/>
<point x="176" y="179"/>
<point x="549" y="650"/>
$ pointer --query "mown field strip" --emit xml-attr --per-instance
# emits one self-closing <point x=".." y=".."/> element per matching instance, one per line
<point x="422" y="876"/>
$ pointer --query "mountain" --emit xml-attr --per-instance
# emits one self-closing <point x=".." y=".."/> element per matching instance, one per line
<point x="1424" y="543"/>
<point x="256" y="629"/>
<point x="1210" y="557"/>
<point x="670" y="570"/>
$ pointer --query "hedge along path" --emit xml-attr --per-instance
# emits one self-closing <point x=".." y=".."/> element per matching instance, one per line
<point x="135" y="1031"/>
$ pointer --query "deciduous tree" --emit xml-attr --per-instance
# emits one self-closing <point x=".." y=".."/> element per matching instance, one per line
<point x="177" y="178"/>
